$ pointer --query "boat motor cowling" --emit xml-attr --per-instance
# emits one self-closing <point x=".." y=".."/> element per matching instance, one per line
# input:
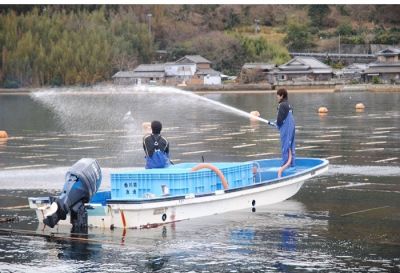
<point x="81" y="182"/>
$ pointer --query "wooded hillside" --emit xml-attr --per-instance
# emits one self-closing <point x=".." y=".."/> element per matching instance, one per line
<point x="84" y="44"/>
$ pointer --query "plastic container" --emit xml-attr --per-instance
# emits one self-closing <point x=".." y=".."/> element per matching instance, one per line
<point x="148" y="183"/>
<point x="177" y="180"/>
<point x="237" y="174"/>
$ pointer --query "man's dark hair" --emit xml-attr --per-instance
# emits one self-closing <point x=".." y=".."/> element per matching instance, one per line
<point x="282" y="92"/>
<point x="156" y="127"/>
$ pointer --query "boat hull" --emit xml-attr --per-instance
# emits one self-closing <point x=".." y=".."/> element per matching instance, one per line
<point x="153" y="212"/>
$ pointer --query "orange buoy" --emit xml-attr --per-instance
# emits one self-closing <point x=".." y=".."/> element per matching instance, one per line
<point x="360" y="106"/>
<point x="323" y="110"/>
<point x="215" y="169"/>
<point x="3" y="134"/>
<point x="254" y="118"/>
<point x="255" y="113"/>
<point x="146" y="127"/>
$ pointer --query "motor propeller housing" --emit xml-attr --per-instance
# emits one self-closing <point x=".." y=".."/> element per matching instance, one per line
<point x="81" y="182"/>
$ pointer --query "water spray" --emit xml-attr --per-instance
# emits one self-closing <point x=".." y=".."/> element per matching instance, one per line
<point x="226" y="107"/>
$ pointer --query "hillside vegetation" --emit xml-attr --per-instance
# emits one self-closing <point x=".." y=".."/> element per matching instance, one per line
<point x="84" y="44"/>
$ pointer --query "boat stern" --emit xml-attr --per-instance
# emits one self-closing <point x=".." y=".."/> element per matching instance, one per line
<point x="41" y="205"/>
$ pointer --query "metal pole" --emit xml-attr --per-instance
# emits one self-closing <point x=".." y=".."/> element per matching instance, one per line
<point x="149" y="15"/>
<point x="257" y="28"/>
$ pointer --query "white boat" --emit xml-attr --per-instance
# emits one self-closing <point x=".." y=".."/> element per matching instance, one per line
<point x="149" y="198"/>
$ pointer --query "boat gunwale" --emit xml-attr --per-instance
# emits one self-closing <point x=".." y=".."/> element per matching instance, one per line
<point x="324" y="163"/>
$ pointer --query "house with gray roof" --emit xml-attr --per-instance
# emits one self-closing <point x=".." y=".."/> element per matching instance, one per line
<point x="257" y="72"/>
<point x="124" y="77"/>
<point x="386" y="67"/>
<point x="178" y="73"/>
<point x="303" y="68"/>
<point x="207" y="77"/>
<point x="143" y="74"/>
<point x="201" y="62"/>
<point x="188" y="70"/>
<point x="354" y="72"/>
<point x="204" y="74"/>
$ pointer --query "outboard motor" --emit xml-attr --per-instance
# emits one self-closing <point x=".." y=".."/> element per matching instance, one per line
<point x="82" y="182"/>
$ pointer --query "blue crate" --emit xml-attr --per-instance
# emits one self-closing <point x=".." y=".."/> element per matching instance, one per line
<point x="237" y="174"/>
<point x="203" y="181"/>
<point x="179" y="180"/>
<point x="138" y="184"/>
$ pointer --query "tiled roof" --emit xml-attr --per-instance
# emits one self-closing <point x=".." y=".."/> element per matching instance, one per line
<point x="384" y="64"/>
<point x="357" y="66"/>
<point x="150" y="68"/>
<point x="374" y="68"/>
<point x="193" y="59"/>
<point x="139" y="74"/>
<point x="382" y="70"/>
<point x="390" y="51"/>
<point x="210" y="71"/>
<point x="353" y="68"/>
<point x="264" y="66"/>
<point x="302" y="63"/>
<point x="149" y="74"/>
<point x="123" y="74"/>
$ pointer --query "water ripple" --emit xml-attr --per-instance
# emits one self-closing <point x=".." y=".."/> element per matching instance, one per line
<point x="364" y="170"/>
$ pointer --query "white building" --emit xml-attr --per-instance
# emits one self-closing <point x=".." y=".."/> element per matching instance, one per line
<point x="189" y="70"/>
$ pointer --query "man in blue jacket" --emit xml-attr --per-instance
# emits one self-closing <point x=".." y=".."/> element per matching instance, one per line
<point x="156" y="147"/>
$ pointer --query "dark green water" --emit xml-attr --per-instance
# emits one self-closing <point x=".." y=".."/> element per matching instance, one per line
<point x="344" y="221"/>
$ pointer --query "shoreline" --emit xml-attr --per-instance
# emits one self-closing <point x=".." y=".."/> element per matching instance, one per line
<point x="257" y="89"/>
<point x="326" y="90"/>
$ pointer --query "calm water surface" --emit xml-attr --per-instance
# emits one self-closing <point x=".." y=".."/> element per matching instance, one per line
<point x="344" y="221"/>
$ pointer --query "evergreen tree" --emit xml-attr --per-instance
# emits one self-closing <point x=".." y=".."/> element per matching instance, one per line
<point x="298" y="38"/>
<point x="317" y="14"/>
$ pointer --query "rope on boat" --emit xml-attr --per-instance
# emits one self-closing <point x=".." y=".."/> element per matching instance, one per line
<point x="215" y="169"/>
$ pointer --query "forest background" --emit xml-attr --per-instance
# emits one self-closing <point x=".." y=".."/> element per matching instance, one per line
<point x="55" y="45"/>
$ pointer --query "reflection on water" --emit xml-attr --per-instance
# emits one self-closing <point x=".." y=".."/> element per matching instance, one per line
<point x="78" y="249"/>
<point x="346" y="220"/>
<point x="286" y="237"/>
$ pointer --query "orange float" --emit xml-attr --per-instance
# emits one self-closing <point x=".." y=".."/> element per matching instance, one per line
<point x="146" y="127"/>
<point x="3" y="134"/>
<point x="323" y="110"/>
<point x="255" y="113"/>
<point x="360" y="106"/>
